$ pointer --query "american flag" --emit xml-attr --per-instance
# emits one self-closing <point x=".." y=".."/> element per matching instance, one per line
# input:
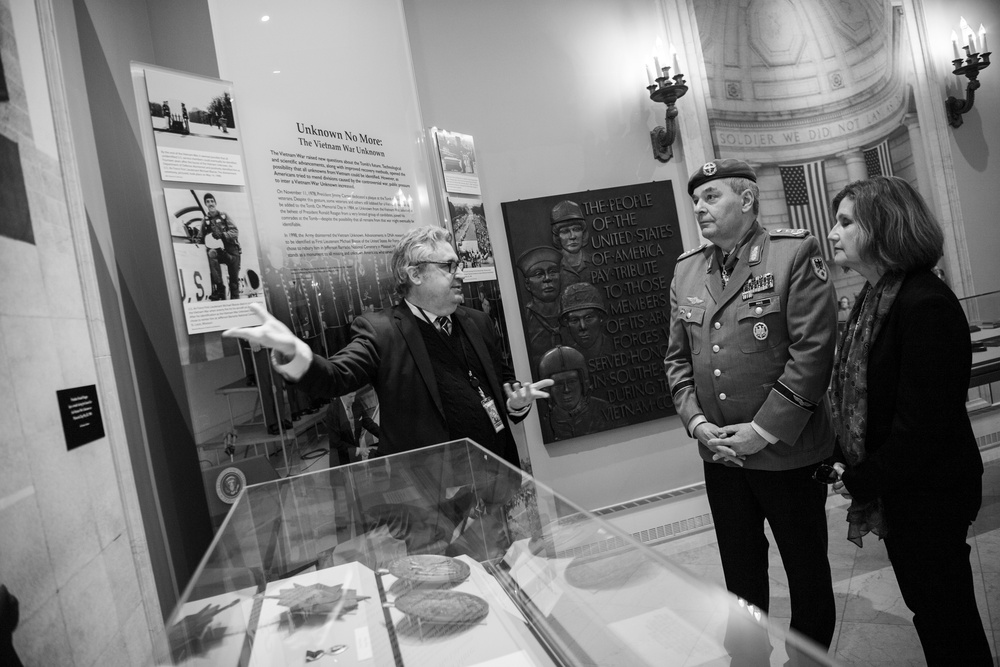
<point x="878" y="161"/>
<point x="805" y="195"/>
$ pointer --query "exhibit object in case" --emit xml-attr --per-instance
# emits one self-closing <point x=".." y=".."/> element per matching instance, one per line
<point x="446" y="555"/>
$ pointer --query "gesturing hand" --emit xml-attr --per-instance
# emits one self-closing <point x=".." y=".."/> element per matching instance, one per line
<point x="520" y="396"/>
<point x="270" y="333"/>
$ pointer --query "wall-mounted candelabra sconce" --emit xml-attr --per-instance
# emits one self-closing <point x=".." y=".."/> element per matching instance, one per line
<point x="666" y="90"/>
<point x="977" y="57"/>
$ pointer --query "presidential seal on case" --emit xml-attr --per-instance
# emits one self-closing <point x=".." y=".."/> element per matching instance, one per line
<point x="229" y="483"/>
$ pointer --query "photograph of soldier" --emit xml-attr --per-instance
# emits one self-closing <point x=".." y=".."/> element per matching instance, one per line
<point x="583" y="314"/>
<point x="540" y="269"/>
<point x="572" y="410"/>
<point x="570" y="235"/>
<point x="221" y="227"/>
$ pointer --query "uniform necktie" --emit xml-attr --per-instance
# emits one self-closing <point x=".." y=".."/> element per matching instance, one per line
<point x="443" y="324"/>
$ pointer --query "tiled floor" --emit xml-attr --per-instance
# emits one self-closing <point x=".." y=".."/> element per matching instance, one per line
<point x="874" y="627"/>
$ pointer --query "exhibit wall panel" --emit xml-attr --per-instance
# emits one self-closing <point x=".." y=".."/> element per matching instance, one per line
<point x="555" y="95"/>
<point x="974" y="145"/>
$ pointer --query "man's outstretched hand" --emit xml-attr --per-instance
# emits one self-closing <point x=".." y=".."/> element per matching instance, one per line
<point x="520" y="396"/>
<point x="270" y="333"/>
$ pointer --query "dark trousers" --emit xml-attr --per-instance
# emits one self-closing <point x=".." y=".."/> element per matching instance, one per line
<point x="218" y="256"/>
<point x="930" y="558"/>
<point x="795" y="508"/>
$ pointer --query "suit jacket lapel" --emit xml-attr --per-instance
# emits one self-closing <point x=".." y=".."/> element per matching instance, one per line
<point x="410" y="330"/>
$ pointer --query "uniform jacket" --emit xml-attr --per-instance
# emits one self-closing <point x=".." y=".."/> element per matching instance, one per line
<point x="221" y="227"/>
<point x="387" y="350"/>
<point x="764" y="357"/>
<point x="918" y="437"/>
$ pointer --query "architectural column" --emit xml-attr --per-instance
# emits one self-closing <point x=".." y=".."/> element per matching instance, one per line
<point x="855" y="161"/>
<point x="912" y="124"/>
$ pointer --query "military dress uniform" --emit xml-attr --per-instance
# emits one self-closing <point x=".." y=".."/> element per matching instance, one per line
<point x="760" y="350"/>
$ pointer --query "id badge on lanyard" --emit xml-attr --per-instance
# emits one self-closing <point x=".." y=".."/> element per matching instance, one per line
<point x="488" y="404"/>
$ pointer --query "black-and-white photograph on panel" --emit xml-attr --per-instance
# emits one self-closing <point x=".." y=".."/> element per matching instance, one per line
<point x="194" y="127"/>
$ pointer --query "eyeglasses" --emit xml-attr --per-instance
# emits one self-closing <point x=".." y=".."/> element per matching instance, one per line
<point x="451" y="266"/>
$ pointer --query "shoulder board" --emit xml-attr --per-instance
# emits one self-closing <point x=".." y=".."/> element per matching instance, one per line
<point x="693" y="251"/>
<point x="789" y="233"/>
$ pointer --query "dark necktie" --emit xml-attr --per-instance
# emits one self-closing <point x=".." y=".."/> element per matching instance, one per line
<point x="444" y="325"/>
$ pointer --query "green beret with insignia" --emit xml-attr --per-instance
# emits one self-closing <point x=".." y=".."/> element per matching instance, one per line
<point x="724" y="168"/>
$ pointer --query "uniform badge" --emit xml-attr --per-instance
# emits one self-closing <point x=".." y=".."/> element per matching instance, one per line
<point x="819" y="268"/>
<point x="760" y="331"/>
<point x="755" y="254"/>
<point x="709" y="169"/>
<point x="694" y="301"/>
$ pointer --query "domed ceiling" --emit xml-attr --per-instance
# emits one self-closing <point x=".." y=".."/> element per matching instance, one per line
<point x="827" y="69"/>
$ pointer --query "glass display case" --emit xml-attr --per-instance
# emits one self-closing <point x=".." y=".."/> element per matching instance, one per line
<point x="448" y="556"/>
<point x="983" y="312"/>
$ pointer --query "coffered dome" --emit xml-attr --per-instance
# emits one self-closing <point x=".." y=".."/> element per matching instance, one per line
<point x="829" y="69"/>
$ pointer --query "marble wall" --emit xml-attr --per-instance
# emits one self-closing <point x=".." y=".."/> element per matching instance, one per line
<point x="66" y="550"/>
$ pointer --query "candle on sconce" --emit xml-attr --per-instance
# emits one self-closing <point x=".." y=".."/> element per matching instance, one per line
<point x="954" y="45"/>
<point x="659" y="70"/>
<point x="677" y="67"/>
<point x="649" y="76"/>
<point x="972" y="42"/>
<point x="982" y="38"/>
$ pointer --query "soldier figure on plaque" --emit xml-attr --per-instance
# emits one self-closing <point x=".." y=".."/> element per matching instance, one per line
<point x="583" y="314"/>
<point x="572" y="409"/>
<point x="540" y="268"/>
<point x="570" y="234"/>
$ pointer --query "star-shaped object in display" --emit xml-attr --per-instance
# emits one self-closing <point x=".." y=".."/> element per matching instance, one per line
<point x="192" y="634"/>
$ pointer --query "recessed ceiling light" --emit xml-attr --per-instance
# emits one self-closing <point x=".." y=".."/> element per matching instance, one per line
<point x="265" y="18"/>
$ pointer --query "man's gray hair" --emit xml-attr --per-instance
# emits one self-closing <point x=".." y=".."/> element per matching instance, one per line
<point x="416" y="246"/>
<point x="738" y="185"/>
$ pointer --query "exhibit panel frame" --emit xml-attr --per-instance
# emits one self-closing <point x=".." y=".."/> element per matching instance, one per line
<point x="446" y="555"/>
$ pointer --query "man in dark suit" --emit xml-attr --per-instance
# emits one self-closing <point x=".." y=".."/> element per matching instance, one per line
<point x="434" y="364"/>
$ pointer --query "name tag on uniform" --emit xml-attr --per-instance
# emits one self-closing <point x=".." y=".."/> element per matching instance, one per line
<point x="759" y="284"/>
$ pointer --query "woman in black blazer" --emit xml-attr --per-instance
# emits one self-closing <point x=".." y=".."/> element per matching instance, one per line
<point x="909" y="459"/>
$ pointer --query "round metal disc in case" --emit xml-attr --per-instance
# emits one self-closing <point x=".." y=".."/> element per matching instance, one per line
<point x="429" y="569"/>
<point x="442" y="607"/>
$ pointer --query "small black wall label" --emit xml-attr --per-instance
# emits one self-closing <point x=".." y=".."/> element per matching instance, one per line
<point x="81" y="415"/>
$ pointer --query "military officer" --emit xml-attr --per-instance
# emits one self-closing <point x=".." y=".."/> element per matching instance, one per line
<point x="752" y="332"/>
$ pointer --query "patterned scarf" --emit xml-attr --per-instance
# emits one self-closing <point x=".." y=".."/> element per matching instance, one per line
<point x="849" y="394"/>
